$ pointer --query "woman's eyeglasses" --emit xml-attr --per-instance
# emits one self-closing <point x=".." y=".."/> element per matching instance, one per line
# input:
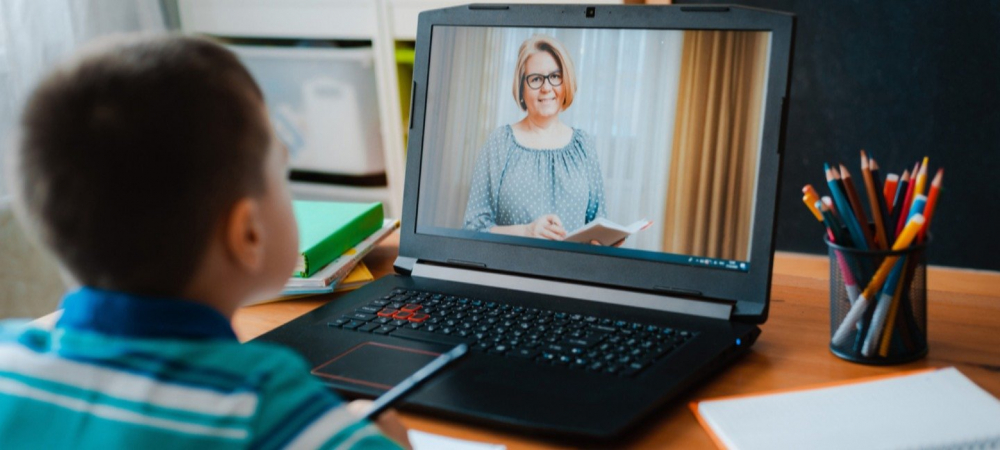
<point x="535" y="80"/>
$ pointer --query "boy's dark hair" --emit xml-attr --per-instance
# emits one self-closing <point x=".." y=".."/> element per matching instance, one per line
<point x="132" y="153"/>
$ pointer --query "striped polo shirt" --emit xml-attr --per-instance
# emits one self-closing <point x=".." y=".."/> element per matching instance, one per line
<point x="124" y="371"/>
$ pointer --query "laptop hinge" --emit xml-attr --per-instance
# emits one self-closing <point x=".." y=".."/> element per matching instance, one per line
<point x="666" y="303"/>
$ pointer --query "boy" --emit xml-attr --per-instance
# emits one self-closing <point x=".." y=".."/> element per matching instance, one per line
<point x="148" y="166"/>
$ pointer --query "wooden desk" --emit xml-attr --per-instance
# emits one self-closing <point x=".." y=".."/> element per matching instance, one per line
<point x="963" y="331"/>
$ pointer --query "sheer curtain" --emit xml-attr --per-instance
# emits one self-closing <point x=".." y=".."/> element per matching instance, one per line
<point x="627" y="90"/>
<point x="35" y="34"/>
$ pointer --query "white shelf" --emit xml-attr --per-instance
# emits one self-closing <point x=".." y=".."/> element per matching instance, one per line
<point x="307" y="19"/>
<point x="382" y="22"/>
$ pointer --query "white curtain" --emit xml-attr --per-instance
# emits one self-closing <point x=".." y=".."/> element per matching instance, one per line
<point x="626" y="100"/>
<point x="35" y="34"/>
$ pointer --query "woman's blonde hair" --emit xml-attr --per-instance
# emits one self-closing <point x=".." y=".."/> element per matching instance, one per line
<point x="537" y="44"/>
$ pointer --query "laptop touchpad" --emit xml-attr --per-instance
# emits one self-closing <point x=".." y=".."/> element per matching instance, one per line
<point x="375" y="365"/>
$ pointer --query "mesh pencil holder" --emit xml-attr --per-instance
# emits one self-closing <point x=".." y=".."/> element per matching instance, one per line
<point x="890" y="327"/>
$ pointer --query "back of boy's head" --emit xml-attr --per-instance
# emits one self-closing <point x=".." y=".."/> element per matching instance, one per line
<point x="132" y="153"/>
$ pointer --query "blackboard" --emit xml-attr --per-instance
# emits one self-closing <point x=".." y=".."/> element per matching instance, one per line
<point x="901" y="80"/>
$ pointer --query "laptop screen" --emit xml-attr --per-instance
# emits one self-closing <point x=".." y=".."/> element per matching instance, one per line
<point x="641" y="144"/>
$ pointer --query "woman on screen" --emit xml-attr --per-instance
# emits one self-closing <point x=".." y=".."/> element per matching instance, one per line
<point x="537" y="177"/>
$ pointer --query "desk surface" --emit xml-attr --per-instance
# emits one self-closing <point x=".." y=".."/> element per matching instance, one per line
<point x="963" y="323"/>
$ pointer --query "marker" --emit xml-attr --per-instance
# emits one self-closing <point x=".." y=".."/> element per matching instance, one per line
<point x="810" y="198"/>
<point x="858" y="309"/>
<point x="413" y="381"/>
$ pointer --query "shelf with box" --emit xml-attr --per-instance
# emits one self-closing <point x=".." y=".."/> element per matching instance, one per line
<point x="337" y="74"/>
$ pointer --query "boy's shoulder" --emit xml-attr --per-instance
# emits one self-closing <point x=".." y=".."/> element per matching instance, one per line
<point x="250" y="366"/>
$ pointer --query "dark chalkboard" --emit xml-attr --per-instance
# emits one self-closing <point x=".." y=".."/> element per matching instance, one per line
<point x="902" y="80"/>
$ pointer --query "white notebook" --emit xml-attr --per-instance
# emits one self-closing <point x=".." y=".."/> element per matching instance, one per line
<point x="930" y="409"/>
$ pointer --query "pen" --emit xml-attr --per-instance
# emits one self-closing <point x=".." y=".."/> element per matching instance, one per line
<point x="413" y="381"/>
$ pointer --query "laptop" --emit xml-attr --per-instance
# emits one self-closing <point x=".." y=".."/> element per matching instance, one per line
<point x="527" y="124"/>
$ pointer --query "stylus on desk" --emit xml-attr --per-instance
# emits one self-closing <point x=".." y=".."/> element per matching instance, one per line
<point x="413" y="381"/>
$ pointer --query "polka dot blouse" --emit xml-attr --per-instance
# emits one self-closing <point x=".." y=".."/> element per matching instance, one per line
<point x="513" y="184"/>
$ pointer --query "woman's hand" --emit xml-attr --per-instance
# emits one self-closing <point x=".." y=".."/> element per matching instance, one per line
<point x="388" y="422"/>
<point x="546" y="227"/>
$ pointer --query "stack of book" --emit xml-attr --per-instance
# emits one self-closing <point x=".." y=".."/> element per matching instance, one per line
<point x="333" y="239"/>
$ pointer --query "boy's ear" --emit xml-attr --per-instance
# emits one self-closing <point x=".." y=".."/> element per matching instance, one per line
<point x="244" y="235"/>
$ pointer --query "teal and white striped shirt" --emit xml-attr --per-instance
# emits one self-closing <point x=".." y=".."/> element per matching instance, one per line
<point x="123" y="371"/>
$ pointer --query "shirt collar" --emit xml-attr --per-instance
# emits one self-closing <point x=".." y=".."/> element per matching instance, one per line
<point x="123" y="314"/>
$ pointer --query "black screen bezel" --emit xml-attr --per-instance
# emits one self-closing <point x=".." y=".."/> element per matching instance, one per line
<point x="750" y="290"/>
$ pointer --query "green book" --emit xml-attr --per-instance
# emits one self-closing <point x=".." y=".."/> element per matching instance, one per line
<point x="328" y="229"/>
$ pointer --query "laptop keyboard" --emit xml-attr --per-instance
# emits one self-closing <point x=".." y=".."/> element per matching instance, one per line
<point x="560" y="338"/>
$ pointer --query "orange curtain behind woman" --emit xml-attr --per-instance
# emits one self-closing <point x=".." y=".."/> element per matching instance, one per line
<point x="716" y="144"/>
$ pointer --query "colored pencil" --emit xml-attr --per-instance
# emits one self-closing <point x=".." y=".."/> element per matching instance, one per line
<point x="906" y="201"/>
<point x="873" y="195"/>
<point x="883" y="209"/>
<point x="844" y="207"/>
<point x="897" y="204"/>
<point x="889" y="189"/>
<point x="859" y="210"/>
<point x="837" y="236"/>
<point x="921" y="179"/>
<point x="932" y="197"/>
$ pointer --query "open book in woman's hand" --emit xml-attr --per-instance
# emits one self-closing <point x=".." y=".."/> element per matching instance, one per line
<point x="605" y="231"/>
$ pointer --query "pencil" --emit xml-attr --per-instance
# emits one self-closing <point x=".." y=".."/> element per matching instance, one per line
<point x="883" y="208"/>
<point x="921" y="178"/>
<point x="873" y="202"/>
<point x="859" y="211"/>
<point x="932" y="197"/>
<point x="889" y="189"/>
<point x="906" y="201"/>
<point x="897" y="204"/>
<point x="844" y="208"/>
<point x="833" y="225"/>
<point x="861" y="305"/>
<point x="837" y="236"/>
